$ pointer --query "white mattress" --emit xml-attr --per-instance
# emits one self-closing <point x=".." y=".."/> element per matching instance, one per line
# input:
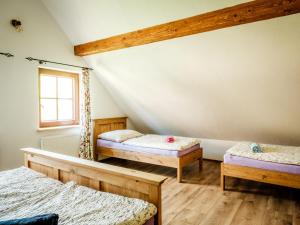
<point x="271" y="153"/>
<point x="26" y="193"/>
<point x="157" y="151"/>
<point x="159" y="142"/>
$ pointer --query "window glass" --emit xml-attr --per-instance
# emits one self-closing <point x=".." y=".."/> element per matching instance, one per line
<point x="65" y="87"/>
<point x="59" y="101"/>
<point x="48" y="110"/>
<point x="65" y="109"/>
<point x="48" y="86"/>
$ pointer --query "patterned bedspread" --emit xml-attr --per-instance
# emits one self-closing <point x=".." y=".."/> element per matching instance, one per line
<point x="25" y="193"/>
<point x="271" y="153"/>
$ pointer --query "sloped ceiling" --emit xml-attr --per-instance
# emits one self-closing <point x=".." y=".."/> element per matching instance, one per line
<point x="239" y="83"/>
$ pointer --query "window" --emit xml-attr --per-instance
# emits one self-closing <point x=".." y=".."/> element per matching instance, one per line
<point x="58" y="98"/>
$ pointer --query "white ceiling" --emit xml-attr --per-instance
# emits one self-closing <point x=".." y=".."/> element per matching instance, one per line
<point x="239" y="83"/>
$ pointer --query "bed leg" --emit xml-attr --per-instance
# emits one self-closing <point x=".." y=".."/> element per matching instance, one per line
<point x="201" y="160"/>
<point x="200" y="164"/>
<point x="95" y="154"/>
<point x="179" y="170"/>
<point x="222" y="182"/>
<point x="26" y="161"/>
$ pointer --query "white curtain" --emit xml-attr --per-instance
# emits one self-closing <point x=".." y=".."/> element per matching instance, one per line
<point x="86" y="146"/>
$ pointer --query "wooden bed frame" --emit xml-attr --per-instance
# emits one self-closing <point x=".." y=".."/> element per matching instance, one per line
<point x="109" y="124"/>
<point x="261" y="175"/>
<point x="99" y="176"/>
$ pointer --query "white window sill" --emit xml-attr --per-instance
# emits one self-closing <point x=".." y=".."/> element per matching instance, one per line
<point x="58" y="128"/>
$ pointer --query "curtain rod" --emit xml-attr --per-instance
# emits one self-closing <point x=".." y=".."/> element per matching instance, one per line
<point x="7" y="54"/>
<point x="42" y="61"/>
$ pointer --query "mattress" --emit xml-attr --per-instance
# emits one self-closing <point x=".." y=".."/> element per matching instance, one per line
<point x="271" y="153"/>
<point x="26" y="193"/>
<point x="260" y="164"/>
<point x="159" y="142"/>
<point x="157" y="151"/>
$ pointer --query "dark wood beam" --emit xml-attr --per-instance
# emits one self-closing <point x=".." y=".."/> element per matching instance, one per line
<point x="235" y="15"/>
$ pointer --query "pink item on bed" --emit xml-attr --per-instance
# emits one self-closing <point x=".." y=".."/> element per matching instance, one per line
<point x="170" y="139"/>
<point x="243" y="161"/>
<point x="116" y="145"/>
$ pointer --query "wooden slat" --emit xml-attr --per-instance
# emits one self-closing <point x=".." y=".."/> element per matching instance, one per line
<point x="104" y="125"/>
<point x="154" y="197"/>
<point x="261" y="175"/>
<point x="68" y="172"/>
<point x="162" y="160"/>
<point x="26" y="162"/>
<point x="222" y="178"/>
<point x="191" y="157"/>
<point x="179" y="170"/>
<point x="239" y="14"/>
<point x="55" y="174"/>
<point x="68" y="163"/>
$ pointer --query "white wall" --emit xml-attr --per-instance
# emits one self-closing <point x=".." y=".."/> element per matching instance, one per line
<point x="238" y="83"/>
<point x="41" y="38"/>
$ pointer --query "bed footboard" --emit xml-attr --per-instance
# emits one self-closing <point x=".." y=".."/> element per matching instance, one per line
<point x="99" y="176"/>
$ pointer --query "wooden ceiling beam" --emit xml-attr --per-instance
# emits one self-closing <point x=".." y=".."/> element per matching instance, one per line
<point x="235" y="15"/>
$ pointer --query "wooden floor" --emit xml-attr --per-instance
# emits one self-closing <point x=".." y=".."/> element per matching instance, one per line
<point x="200" y="201"/>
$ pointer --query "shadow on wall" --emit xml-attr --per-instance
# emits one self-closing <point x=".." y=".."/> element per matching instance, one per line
<point x="64" y="144"/>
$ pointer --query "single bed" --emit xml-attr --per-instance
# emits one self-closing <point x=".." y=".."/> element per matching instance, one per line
<point x="134" y="197"/>
<point x="163" y="157"/>
<point x="276" y="165"/>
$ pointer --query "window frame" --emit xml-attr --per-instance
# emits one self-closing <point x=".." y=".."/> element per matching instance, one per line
<point x="75" y="98"/>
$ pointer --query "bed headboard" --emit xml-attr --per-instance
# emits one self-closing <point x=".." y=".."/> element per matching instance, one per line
<point x="99" y="176"/>
<point x="107" y="124"/>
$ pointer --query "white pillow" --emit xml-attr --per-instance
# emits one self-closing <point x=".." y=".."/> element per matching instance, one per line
<point x="119" y="135"/>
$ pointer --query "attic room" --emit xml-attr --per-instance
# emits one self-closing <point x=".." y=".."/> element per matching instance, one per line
<point x="138" y="112"/>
